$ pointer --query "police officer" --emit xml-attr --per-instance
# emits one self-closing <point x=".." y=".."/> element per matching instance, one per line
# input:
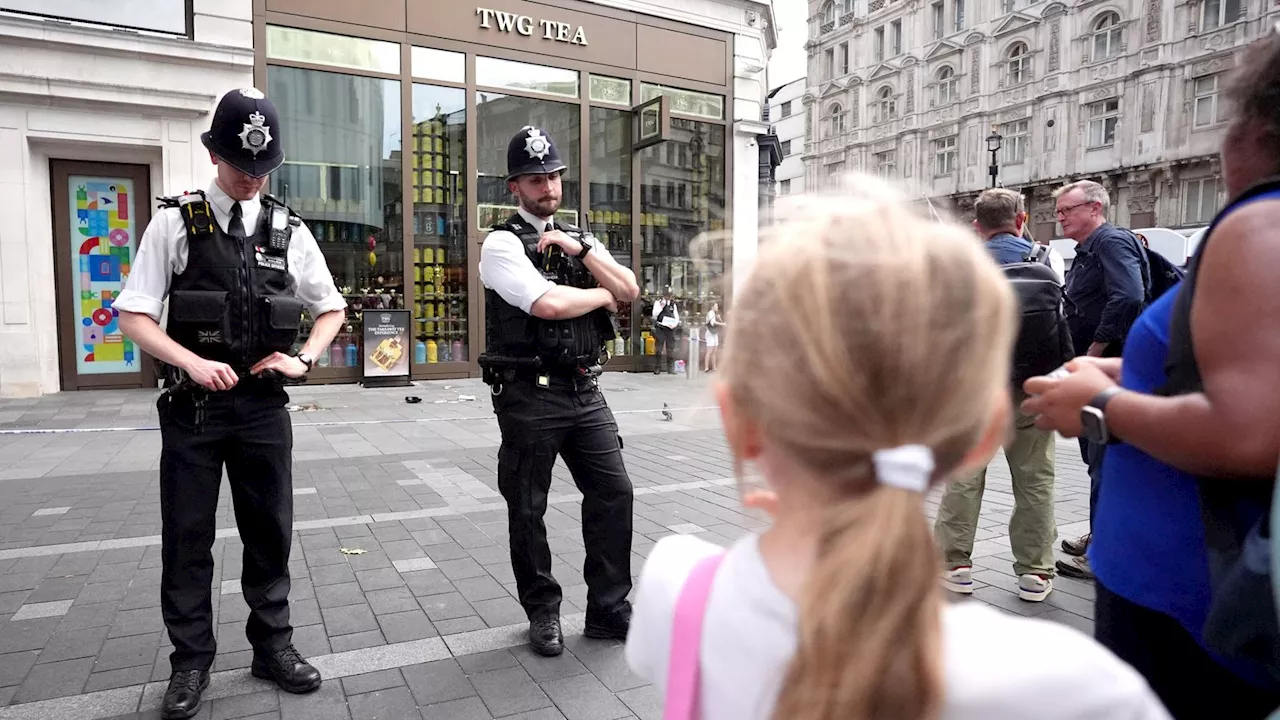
<point x="237" y="269"/>
<point x="549" y="298"/>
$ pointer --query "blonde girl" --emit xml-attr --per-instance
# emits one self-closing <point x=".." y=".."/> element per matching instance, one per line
<point x="899" y="332"/>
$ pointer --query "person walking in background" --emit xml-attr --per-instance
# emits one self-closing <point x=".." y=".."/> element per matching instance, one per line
<point x="711" y="337"/>
<point x="1191" y="415"/>
<point x="666" y="318"/>
<point x="905" y="329"/>
<point x="1106" y="289"/>
<point x="1032" y="529"/>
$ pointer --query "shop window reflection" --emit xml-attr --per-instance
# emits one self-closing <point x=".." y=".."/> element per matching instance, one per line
<point x="438" y="165"/>
<point x="499" y="118"/>
<point x="681" y="198"/>
<point x="343" y="175"/>
<point x="609" y="217"/>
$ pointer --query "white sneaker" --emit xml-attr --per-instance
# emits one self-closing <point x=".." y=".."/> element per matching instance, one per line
<point x="1034" y="588"/>
<point x="959" y="580"/>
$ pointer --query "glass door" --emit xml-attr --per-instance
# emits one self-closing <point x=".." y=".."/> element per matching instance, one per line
<point x="99" y="214"/>
<point x="609" y="215"/>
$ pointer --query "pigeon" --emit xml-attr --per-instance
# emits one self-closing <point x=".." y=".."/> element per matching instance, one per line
<point x="666" y="414"/>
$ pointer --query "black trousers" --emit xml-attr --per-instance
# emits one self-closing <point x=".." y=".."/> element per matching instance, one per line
<point x="248" y="430"/>
<point x="573" y="421"/>
<point x="1190" y="683"/>
<point x="665" y="340"/>
<point x="1093" y="454"/>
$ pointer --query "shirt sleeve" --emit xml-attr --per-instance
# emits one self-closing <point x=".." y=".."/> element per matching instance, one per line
<point x="1126" y="291"/>
<point x="505" y="269"/>
<point x="314" y="284"/>
<point x="147" y="285"/>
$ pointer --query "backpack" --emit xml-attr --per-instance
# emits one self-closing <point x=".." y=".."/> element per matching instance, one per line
<point x="1044" y="339"/>
<point x="1164" y="274"/>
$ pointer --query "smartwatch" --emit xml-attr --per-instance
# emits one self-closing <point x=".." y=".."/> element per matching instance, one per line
<point x="307" y="360"/>
<point x="1093" y="419"/>
<point x="586" y="248"/>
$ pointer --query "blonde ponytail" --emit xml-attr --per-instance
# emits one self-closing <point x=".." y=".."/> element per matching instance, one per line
<point x="865" y="327"/>
<point x="869" y="645"/>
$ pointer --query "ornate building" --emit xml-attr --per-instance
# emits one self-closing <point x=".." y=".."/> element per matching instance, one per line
<point x="1125" y="92"/>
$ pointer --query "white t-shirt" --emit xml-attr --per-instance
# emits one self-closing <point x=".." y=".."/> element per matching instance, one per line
<point x="996" y="666"/>
<point x="162" y="253"/>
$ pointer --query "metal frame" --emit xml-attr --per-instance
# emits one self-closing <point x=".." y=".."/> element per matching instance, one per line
<point x="68" y="347"/>
<point x="474" y="239"/>
<point x="188" y="14"/>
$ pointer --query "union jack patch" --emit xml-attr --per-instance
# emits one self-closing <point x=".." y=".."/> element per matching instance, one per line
<point x="209" y="337"/>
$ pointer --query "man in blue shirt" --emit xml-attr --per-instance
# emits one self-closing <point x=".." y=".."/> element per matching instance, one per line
<point x="1106" y="290"/>
<point x="1000" y="217"/>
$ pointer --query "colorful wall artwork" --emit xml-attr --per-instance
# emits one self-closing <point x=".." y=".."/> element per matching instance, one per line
<point x="103" y="244"/>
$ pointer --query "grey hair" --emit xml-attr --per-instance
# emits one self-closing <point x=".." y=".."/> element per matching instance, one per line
<point x="1093" y="192"/>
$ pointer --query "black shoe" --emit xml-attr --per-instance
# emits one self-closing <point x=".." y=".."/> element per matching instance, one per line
<point x="287" y="668"/>
<point x="182" y="699"/>
<point x="545" y="637"/>
<point x="613" y="627"/>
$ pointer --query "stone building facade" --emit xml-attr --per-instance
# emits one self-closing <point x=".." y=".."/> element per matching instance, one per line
<point x="1125" y="92"/>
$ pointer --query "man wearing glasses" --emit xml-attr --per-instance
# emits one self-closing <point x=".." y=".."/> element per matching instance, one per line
<point x="1106" y="290"/>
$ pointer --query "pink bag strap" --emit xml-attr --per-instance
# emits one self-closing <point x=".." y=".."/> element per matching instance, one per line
<point x="686" y="641"/>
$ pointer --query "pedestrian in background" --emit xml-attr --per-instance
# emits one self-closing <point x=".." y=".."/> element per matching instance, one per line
<point x="666" y="318"/>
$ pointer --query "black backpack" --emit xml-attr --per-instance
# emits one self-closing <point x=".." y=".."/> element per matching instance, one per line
<point x="1164" y="274"/>
<point x="1044" y="339"/>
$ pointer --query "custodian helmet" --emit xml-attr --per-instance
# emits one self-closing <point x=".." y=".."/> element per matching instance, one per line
<point x="532" y="152"/>
<point x="245" y="133"/>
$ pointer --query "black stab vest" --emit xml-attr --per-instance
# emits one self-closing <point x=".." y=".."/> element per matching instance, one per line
<point x="559" y="344"/>
<point x="233" y="302"/>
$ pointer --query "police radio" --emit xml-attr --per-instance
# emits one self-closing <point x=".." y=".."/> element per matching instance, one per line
<point x="278" y="239"/>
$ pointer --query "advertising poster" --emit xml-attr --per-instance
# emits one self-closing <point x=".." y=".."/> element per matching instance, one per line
<point x="386" y="348"/>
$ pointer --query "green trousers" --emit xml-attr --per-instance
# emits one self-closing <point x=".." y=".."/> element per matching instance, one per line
<point x="1032" y="528"/>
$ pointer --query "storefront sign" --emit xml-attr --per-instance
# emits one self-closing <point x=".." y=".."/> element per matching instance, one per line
<point x="526" y="25"/>
<point x="386" y="348"/>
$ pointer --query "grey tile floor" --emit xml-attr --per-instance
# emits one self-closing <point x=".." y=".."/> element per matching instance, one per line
<point x="422" y="622"/>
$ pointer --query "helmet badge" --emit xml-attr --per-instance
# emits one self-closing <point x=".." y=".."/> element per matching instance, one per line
<point x="537" y="145"/>
<point x="256" y="135"/>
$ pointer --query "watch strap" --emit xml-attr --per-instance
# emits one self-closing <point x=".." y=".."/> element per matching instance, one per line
<point x="307" y="360"/>
<point x="1101" y="399"/>
<point x="586" y="248"/>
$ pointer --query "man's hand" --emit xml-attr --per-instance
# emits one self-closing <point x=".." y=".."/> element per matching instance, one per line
<point x="612" y="307"/>
<point x="211" y="375"/>
<point x="1096" y="349"/>
<point x="287" y="365"/>
<point x="1057" y="402"/>
<point x="570" y="246"/>
<point x="1110" y="366"/>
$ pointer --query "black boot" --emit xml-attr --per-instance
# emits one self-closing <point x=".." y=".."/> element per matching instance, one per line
<point x="612" y="627"/>
<point x="287" y="668"/>
<point x="545" y="637"/>
<point x="182" y="699"/>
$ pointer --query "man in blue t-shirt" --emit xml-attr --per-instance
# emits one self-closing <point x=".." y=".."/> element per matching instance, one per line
<point x="1032" y="529"/>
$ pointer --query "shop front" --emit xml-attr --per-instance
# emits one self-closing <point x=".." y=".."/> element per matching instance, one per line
<point x="396" y="117"/>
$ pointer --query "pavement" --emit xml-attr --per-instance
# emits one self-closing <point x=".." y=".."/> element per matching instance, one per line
<point x="403" y="593"/>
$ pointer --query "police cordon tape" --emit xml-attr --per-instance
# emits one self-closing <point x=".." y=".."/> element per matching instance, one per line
<point x="335" y="423"/>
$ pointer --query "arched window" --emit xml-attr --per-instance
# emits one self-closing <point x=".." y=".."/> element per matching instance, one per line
<point x="835" y="116"/>
<point x="948" y="87"/>
<point x="886" y="108"/>
<point x="1019" y="63"/>
<point x="1107" y="36"/>
<point x="829" y="12"/>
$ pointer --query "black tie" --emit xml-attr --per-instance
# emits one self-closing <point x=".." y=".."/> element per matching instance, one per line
<point x="235" y="228"/>
<point x="550" y="227"/>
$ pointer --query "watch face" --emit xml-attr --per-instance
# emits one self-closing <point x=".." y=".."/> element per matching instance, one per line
<point x="1093" y="427"/>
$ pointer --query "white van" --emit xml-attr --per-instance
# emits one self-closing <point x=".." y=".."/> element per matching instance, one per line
<point x="1174" y="245"/>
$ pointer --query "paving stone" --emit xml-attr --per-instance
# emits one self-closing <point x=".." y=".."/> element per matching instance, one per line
<point x="349" y="619"/>
<point x="605" y="661"/>
<point x="509" y="691"/>
<point x="445" y="607"/>
<point x="127" y="652"/>
<point x="74" y="644"/>
<point x="55" y="589"/>
<point x="35" y="611"/>
<point x="543" y="669"/>
<point x="486" y="661"/>
<point x="428" y="582"/>
<point x="480" y="588"/>
<point x="14" y="666"/>
<point x="372" y="682"/>
<point x="582" y="697"/>
<point x="54" y="680"/>
<point x="461" y="569"/>
<point x="27" y="634"/>
<point x="327" y="703"/>
<point x="437" y="682"/>
<point x="645" y="702"/>
<point x="111" y="679"/>
<point x="501" y="611"/>
<point x="391" y="600"/>
<point x="243" y="706"/>
<point x="334" y="596"/>
<point x="459" y="625"/>
<point x="405" y="626"/>
<point x="332" y="575"/>
<point x="380" y="579"/>
<point x="357" y="641"/>
<point x="81" y="617"/>
<point x="468" y="709"/>
<point x="383" y="705"/>
<point x="304" y="612"/>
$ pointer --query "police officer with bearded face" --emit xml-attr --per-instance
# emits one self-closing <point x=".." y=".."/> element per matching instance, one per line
<point x="550" y="292"/>
<point x="238" y="268"/>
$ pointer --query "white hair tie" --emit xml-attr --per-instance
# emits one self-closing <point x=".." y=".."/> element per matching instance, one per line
<point x="907" y="467"/>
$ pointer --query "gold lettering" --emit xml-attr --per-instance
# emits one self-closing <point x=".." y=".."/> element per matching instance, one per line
<point x="485" y="16"/>
<point x="581" y="37"/>
<point x="506" y="21"/>
<point x="562" y="32"/>
<point x="525" y="25"/>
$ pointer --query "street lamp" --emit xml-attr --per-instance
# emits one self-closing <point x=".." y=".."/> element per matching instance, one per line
<point x="994" y="141"/>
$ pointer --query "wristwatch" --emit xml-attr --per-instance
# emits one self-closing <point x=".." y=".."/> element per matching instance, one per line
<point x="1093" y="419"/>
<point x="307" y="360"/>
<point x="586" y="247"/>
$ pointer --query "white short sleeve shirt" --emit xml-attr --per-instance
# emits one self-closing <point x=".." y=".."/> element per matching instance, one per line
<point x="162" y="253"/>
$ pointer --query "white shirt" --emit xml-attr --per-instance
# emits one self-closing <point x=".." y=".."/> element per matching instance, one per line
<point x="995" y="666"/>
<point x="1058" y="264"/>
<point x="505" y="268"/>
<point x="661" y="304"/>
<point x="162" y="253"/>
